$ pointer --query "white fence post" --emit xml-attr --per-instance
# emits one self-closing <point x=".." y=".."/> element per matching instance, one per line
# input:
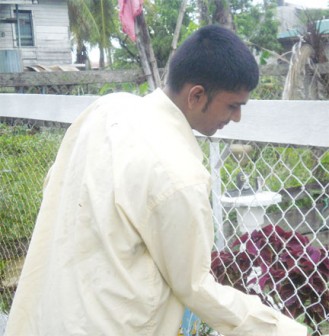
<point x="215" y="163"/>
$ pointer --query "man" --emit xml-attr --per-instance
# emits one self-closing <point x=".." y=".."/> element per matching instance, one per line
<point x="124" y="235"/>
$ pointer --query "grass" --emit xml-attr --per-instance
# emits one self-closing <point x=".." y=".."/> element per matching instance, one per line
<point x="25" y="157"/>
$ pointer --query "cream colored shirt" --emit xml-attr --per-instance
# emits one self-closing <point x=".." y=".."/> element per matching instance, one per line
<point x="124" y="235"/>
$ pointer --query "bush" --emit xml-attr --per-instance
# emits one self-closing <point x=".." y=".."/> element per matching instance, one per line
<point x="283" y="268"/>
<point x="25" y="157"/>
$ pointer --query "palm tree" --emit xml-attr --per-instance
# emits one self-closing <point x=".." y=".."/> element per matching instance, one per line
<point x="93" y="22"/>
<point x="304" y="80"/>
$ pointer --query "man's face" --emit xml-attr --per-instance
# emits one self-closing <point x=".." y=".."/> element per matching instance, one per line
<point x="219" y="111"/>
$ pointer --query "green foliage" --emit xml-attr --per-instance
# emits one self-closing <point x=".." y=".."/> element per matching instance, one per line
<point x="24" y="161"/>
<point x="280" y="168"/>
<point x="125" y="57"/>
<point x="97" y="23"/>
<point x="269" y="87"/>
<point x="257" y="24"/>
<point x="285" y="167"/>
<point x="94" y="23"/>
<point x="322" y="172"/>
<point x="26" y="154"/>
<point x="192" y="27"/>
<point x="107" y="88"/>
<point x="161" y="17"/>
<point x="25" y="157"/>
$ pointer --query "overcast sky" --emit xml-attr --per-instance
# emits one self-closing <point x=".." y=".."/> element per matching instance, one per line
<point x="305" y="3"/>
<point x="310" y="3"/>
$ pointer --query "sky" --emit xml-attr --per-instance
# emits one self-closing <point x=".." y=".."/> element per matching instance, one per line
<point x="308" y="3"/>
<point x="305" y="3"/>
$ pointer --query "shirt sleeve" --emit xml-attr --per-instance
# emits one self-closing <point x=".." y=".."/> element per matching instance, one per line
<point x="180" y="239"/>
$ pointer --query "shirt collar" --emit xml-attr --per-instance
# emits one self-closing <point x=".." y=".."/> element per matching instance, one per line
<point x="165" y="105"/>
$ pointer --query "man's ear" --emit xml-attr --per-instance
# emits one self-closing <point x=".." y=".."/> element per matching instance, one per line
<point x="196" y="97"/>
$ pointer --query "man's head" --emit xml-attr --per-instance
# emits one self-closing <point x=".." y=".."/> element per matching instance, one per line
<point x="210" y="76"/>
<point x="215" y="58"/>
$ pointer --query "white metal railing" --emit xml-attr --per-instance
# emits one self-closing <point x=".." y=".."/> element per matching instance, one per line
<point x="276" y="121"/>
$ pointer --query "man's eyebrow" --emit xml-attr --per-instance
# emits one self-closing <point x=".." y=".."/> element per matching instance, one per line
<point x="239" y="103"/>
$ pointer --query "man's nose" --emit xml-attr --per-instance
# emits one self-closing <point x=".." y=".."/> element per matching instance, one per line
<point x="236" y="115"/>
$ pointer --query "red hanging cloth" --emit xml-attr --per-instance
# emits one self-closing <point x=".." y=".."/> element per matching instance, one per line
<point x="129" y="9"/>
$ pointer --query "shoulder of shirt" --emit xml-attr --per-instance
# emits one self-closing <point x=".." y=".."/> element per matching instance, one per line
<point x="122" y="97"/>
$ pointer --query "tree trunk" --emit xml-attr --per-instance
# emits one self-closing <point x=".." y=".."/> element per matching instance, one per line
<point x="223" y="15"/>
<point x="204" y="18"/>
<point x="146" y="53"/>
<point x="109" y="57"/>
<point x="175" y="37"/>
<point x="101" y="57"/>
<point x="81" y="53"/>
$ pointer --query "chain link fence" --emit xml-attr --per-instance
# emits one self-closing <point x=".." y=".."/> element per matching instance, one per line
<point x="27" y="150"/>
<point x="271" y="215"/>
<point x="273" y="226"/>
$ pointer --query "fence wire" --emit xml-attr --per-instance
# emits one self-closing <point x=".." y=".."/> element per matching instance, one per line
<point x="271" y="214"/>
<point x="27" y="149"/>
<point x="271" y="218"/>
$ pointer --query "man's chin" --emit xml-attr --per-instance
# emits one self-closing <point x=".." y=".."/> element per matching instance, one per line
<point x="207" y="132"/>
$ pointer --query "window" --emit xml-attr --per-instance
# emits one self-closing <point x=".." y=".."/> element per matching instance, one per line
<point x="24" y="31"/>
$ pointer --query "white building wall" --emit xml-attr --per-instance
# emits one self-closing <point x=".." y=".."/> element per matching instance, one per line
<point x="50" y="30"/>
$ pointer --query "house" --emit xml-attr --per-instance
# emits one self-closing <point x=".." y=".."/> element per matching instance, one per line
<point x="34" y="32"/>
<point x="287" y="15"/>
<point x="291" y="28"/>
<point x="292" y="35"/>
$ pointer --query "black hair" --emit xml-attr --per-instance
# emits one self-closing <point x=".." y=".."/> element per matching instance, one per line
<point x="215" y="58"/>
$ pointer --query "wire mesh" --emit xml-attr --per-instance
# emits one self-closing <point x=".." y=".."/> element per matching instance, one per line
<point x="274" y="225"/>
<point x="27" y="149"/>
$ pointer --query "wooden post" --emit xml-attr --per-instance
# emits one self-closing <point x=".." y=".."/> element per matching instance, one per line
<point x="175" y="37"/>
<point x="146" y="52"/>
<point x="18" y="28"/>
